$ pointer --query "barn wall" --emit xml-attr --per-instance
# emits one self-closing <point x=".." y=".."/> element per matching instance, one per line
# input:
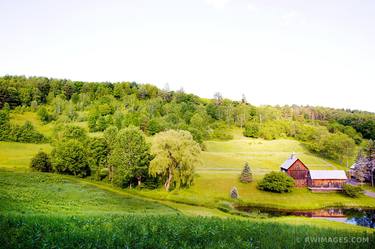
<point x="298" y="171"/>
<point x="326" y="183"/>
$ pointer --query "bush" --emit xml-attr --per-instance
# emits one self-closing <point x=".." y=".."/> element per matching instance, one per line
<point x="41" y="162"/>
<point x="278" y="182"/>
<point x="44" y="115"/>
<point x="15" y="133"/>
<point x="25" y="134"/>
<point x="251" y="130"/>
<point x="352" y="191"/>
<point x="103" y="173"/>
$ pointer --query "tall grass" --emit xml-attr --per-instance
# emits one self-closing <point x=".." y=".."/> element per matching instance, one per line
<point x="175" y="231"/>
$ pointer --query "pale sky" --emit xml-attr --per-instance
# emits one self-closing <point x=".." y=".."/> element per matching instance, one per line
<point x="316" y="52"/>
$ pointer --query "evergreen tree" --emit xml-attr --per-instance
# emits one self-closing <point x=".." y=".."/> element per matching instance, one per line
<point x="234" y="193"/>
<point x="246" y="175"/>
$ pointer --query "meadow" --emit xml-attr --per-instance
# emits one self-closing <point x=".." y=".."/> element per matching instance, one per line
<point x="223" y="161"/>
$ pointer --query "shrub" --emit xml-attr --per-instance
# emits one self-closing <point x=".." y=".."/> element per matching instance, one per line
<point x="103" y="173"/>
<point x="278" y="182"/>
<point x="251" y="130"/>
<point x="41" y="162"/>
<point x="246" y="175"/>
<point x="25" y="134"/>
<point x="44" y="115"/>
<point x="352" y="191"/>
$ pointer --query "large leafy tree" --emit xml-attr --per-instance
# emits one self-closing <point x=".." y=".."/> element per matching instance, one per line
<point x="176" y="155"/>
<point x="130" y="156"/>
<point x="70" y="157"/>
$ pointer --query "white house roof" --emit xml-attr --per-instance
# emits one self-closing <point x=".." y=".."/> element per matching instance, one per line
<point x="328" y="174"/>
<point x="289" y="162"/>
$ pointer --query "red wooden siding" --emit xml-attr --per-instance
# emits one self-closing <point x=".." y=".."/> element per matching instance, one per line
<point x="299" y="172"/>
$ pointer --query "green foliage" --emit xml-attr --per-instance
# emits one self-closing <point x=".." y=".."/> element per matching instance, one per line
<point x="337" y="146"/>
<point x="246" y="175"/>
<point x="70" y="157"/>
<point x="41" y="162"/>
<point x="25" y="134"/>
<point x="176" y="156"/>
<point x="110" y="135"/>
<point x="155" y="125"/>
<point x="352" y="191"/>
<point x="103" y="173"/>
<point x="12" y="132"/>
<point x="130" y="157"/>
<point x="98" y="151"/>
<point x="44" y="115"/>
<point x="221" y="132"/>
<point x="278" y="182"/>
<point x="153" y="110"/>
<point x="251" y="129"/>
<point x="74" y="132"/>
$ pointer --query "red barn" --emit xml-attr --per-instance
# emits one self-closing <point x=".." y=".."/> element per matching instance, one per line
<point x="296" y="169"/>
<point x="326" y="180"/>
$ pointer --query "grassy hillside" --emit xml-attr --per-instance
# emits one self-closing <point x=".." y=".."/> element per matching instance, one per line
<point x="42" y="193"/>
<point x="223" y="161"/>
<point x="41" y="210"/>
<point x="17" y="156"/>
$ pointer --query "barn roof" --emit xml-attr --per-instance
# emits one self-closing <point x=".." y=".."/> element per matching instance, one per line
<point x="289" y="162"/>
<point x="328" y="174"/>
<point x="353" y="166"/>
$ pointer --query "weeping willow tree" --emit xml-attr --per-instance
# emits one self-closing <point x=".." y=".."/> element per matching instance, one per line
<point x="176" y="155"/>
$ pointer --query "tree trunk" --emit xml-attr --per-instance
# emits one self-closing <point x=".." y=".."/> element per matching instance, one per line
<point x="110" y="173"/>
<point x="139" y="180"/>
<point x="167" y="184"/>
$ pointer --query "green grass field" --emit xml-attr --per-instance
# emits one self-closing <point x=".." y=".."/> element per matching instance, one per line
<point x="44" y="193"/>
<point x="44" y="210"/>
<point x="17" y="156"/>
<point x="222" y="165"/>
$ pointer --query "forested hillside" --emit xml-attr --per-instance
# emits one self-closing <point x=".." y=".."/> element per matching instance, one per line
<point x="333" y="133"/>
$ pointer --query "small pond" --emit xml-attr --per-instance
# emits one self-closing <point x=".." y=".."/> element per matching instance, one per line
<point x="355" y="216"/>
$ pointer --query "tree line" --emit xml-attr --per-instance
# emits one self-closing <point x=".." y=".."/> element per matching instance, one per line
<point x="123" y="157"/>
<point x="333" y="133"/>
